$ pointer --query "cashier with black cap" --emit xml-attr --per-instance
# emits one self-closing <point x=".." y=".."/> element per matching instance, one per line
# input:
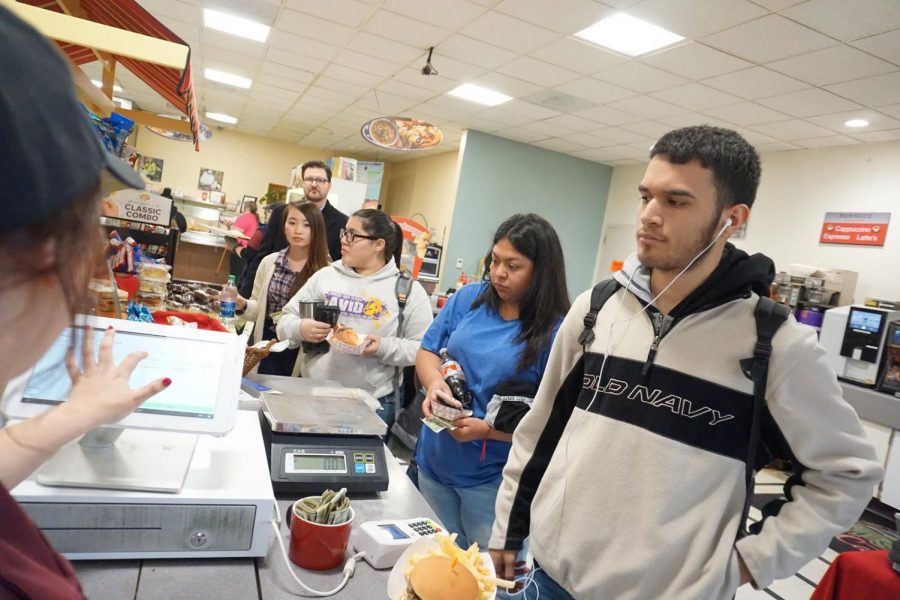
<point x="52" y="170"/>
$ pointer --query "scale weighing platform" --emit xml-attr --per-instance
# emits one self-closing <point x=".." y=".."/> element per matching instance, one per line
<point x="317" y="441"/>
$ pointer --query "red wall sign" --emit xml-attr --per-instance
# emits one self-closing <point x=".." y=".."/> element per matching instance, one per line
<point x="855" y="229"/>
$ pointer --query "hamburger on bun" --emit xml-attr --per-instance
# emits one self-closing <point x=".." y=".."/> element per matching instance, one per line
<point x="440" y="577"/>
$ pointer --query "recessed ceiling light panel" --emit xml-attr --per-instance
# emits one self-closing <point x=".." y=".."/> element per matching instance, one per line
<point x="856" y="123"/>
<point x="235" y="25"/>
<point x="476" y="93"/>
<point x="227" y="78"/>
<point x="222" y="118"/>
<point x="628" y="35"/>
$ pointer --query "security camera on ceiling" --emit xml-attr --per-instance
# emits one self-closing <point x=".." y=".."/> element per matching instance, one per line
<point x="429" y="69"/>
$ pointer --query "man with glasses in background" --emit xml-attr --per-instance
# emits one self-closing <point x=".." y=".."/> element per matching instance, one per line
<point x="316" y="181"/>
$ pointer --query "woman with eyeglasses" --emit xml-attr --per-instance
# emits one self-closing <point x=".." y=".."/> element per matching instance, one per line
<point x="281" y="275"/>
<point x="363" y="285"/>
<point x="500" y="331"/>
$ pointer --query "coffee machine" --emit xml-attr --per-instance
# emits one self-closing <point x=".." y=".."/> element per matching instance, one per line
<point x="854" y="338"/>
<point x="890" y="370"/>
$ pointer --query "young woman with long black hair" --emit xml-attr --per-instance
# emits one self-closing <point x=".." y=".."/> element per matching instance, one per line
<point x="499" y="331"/>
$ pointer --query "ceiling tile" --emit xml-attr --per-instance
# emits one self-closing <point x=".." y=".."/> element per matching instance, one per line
<point x="877" y="121"/>
<point x="352" y="75"/>
<point x="782" y="37"/>
<point x="302" y="46"/>
<point x="558" y="145"/>
<point x="392" y="86"/>
<point x="367" y="63"/>
<point x="608" y="116"/>
<point x="502" y="116"/>
<point x="231" y="62"/>
<point x="451" y="68"/>
<point x="527" y="109"/>
<point x="892" y="110"/>
<point x="872" y="91"/>
<point x="333" y="96"/>
<point x="694" y="19"/>
<point x="314" y="28"/>
<point x="646" y="107"/>
<point x="447" y="15"/>
<point x="563" y="124"/>
<point x="172" y="9"/>
<point x="886" y="45"/>
<point x="350" y="13"/>
<point x="472" y="51"/>
<point x="189" y="32"/>
<point x="389" y="103"/>
<point x="281" y="82"/>
<point x="578" y="55"/>
<point x="695" y="61"/>
<point x="519" y="135"/>
<point x="640" y="77"/>
<point x="775" y="147"/>
<point x="284" y="72"/>
<point x="284" y="57"/>
<point x="619" y="135"/>
<point x="587" y="140"/>
<point x="415" y="33"/>
<point x="695" y="96"/>
<point x="414" y="77"/>
<point x="651" y="129"/>
<point x="575" y="16"/>
<point x="755" y="82"/>
<point x="776" y="5"/>
<point x="847" y="20"/>
<point x="755" y="137"/>
<point x="505" y="84"/>
<point x="595" y="90"/>
<point x="379" y="47"/>
<point x="232" y="43"/>
<point x="793" y="130"/>
<point x="262" y="90"/>
<point x="807" y="103"/>
<point x="746" y="113"/>
<point x="878" y="136"/>
<point x="824" y="142"/>
<point x="538" y="72"/>
<point x="687" y="119"/>
<point x="832" y="65"/>
<point x="508" y="32"/>
<point x="345" y="87"/>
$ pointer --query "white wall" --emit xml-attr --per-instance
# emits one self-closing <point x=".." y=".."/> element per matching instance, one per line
<point x="796" y="191"/>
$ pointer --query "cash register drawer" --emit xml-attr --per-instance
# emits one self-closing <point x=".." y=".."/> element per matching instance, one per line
<point x="85" y="528"/>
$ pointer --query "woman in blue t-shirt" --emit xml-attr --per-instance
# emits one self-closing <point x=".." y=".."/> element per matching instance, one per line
<point x="498" y="331"/>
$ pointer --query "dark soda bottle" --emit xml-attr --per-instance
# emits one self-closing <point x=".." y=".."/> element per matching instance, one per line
<point x="453" y="374"/>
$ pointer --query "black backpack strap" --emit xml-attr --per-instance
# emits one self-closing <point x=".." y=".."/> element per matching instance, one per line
<point x="769" y="316"/>
<point x="599" y="295"/>
<point x="402" y="289"/>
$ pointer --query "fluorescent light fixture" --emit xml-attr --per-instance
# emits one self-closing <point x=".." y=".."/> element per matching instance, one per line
<point x="123" y="103"/>
<point x="476" y="93"/>
<point x="227" y="78"/>
<point x="856" y="123"/>
<point x="628" y="35"/>
<point x="222" y="118"/>
<point x="99" y="84"/>
<point x="235" y="25"/>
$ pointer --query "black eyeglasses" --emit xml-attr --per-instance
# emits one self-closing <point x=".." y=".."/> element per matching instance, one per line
<point x="350" y="236"/>
<point x="319" y="180"/>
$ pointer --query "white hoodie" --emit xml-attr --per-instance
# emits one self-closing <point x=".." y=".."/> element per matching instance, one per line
<point x="369" y="305"/>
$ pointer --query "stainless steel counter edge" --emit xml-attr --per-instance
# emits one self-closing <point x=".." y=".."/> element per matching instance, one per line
<point x="202" y="239"/>
<point x="873" y="406"/>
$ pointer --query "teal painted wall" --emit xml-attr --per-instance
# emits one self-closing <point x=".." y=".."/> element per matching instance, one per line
<point x="500" y="177"/>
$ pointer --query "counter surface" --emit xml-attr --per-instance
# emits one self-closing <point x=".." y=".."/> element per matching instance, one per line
<point x="263" y="578"/>
<point x="874" y="406"/>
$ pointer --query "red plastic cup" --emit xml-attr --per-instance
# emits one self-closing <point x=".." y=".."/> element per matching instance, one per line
<point x="316" y="546"/>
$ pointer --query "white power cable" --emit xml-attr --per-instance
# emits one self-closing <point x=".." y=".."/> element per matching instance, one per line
<point x="349" y="566"/>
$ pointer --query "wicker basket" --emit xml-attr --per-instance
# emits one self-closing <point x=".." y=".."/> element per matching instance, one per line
<point x="253" y="356"/>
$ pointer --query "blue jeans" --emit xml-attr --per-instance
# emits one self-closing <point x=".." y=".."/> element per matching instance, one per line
<point x="386" y="412"/>
<point x="466" y="511"/>
<point x="547" y="589"/>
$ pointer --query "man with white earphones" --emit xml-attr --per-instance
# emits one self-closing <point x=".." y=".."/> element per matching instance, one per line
<point x="629" y="476"/>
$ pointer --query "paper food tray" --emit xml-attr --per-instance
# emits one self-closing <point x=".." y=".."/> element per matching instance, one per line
<point x="397" y="582"/>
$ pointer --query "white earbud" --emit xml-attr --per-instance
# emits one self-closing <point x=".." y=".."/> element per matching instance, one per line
<point x="728" y="223"/>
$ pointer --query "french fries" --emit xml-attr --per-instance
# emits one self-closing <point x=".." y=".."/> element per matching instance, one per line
<point x="470" y="558"/>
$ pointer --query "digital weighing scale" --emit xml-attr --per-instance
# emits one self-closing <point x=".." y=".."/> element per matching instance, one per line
<point x="318" y="441"/>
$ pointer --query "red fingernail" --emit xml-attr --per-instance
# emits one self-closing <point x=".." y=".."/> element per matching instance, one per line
<point x="110" y="328"/>
<point x="167" y="382"/>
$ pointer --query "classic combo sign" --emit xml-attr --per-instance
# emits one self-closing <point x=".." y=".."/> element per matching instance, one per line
<point x="855" y="228"/>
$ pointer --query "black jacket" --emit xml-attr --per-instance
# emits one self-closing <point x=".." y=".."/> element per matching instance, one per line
<point x="274" y="240"/>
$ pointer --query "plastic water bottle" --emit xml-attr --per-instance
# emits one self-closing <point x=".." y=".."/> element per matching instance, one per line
<point x="228" y="304"/>
<point x="455" y="377"/>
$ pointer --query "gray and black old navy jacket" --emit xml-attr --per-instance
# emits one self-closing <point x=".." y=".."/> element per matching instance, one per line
<point x="640" y="496"/>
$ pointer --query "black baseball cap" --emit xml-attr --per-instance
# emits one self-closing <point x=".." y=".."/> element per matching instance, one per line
<point x="49" y="152"/>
